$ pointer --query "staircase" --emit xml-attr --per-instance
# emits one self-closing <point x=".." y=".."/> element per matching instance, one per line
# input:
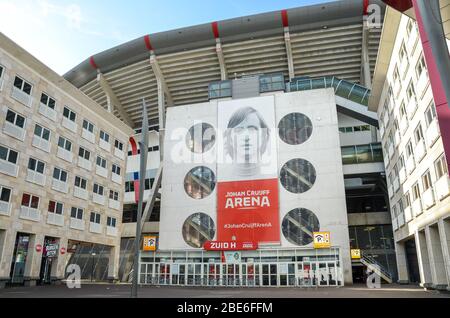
<point x="376" y="267"/>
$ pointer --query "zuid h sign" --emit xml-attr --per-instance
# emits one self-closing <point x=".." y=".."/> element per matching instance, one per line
<point x="230" y="246"/>
<point x="247" y="190"/>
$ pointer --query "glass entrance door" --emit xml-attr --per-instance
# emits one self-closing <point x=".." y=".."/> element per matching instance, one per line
<point x="19" y="258"/>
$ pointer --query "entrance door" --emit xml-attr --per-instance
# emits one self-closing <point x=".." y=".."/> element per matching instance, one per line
<point x="19" y="258"/>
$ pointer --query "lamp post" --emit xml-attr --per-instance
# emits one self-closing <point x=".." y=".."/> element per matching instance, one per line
<point x="93" y="262"/>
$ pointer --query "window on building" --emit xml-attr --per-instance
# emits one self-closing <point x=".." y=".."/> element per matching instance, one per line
<point x="111" y="222"/>
<point x="409" y="149"/>
<point x="402" y="53"/>
<point x="55" y="207"/>
<point x="421" y="66"/>
<point x="362" y="154"/>
<point x="1" y="73"/>
<point x="48" y="101"/>
<point x="5" y="194"/>
<point x="83" y="153"/>
<point x="298" y="176"/>
<point x="271" y="82"/>
<point x="30" y="201"/>
<point x="410" y="27"/>
<point x="114" y="195"/>
<point x="23" y="85"/>
<point x="418" y="134"/>
<point x="88" y="126"/>
<point x="101" y="162"/>
<point x="410" y="91"/>
<point x="416" y="191"/>
<point x="95" y="217"/>
<point x="65" y="143"/>
<point x="104" y="136"/>
<point x="441" y="167"/>
<point x="15" y="119"/>
<point x="69" y="114"/>
<point x="426" y="180"/>
<point x="220" y="89"/>
<point x="201" y="137"/>
<point x="76" y="213"/>
<point x="407" y="200"/>
<point x="98" y="189"/>
<point x="118" y="145"/>
<point x="401" y="162"/>
<point x="36" y="165"/>
<point x="80" y="182"/>
<point x="430" y="114"/>
<point x="129" y="186"/>
<point x="396" y="74"/>
<point x="403" y="110"/>
<point x="42" y="132"/>
<point x="9" y="155"/>
<point x="60" y="174"/>
<point x="149" y="183"/>
<point x="199" y="182"/>
<point x="115" y="169"/>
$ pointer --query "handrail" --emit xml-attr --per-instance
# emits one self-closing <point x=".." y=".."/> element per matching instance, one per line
<point x="368" y="258"/>
<point x="345" y="89"/>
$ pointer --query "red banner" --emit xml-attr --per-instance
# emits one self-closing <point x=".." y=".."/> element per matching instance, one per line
<point x="230" y="246"/>
<point x="248" y="211"/>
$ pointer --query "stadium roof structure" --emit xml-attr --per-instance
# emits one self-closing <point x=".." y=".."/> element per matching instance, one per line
<point x="320" y="40"/>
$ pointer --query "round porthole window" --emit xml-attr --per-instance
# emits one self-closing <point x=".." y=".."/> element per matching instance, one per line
<point x="198" y="229"/>
<point x="199" y="182"/>
<point x="200" y="138"/>
<point x="299" y="225"/>
<point x="298" y="176"/>
<point x="295" y="128"/>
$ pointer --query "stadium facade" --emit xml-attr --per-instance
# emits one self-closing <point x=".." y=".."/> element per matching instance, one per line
<point x="262" y="142"/>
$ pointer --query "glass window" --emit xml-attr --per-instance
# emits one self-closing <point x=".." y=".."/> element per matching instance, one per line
<point x="22" y="85"/>
<point x="299" y="225"/>
<point x="441" y="167"/>
<point x="430" y="114"/>
<point x="80" y="182"/>
<point x="111" y="222"/>
<point x="30" y="201"/>
<point x="220" y="89"/>
<point x="363" y="154"/>
<point x="426" y="180"/>
<point x="200" y="138"/>
<point x="116" y="169"/>
<point x="295" y="128"/>
<point x="271" y="82"/>
<point x="83" y="153"/>
<point x="118" y="145"/>
<point x="199" y="182"/>
<point x="197" y="229"/>
<point x="55" y="207"/>
<point x="60" y="174"/>
<point x="88" y="126"/>
<point x="15" y="119"/>
<point x="69" y="114"/>
<point x="349" y="155"/>
<point x="101" y="162"/>
<point x="76" y="213"/>
<point x="416" y="192"/>
<point x="104" y="136"/>
<point x="113" y="195"/>
<point x="65" y="143"/>
<point x="42" y="132"/>
<point x="420" y="67"/>
<point x="298" y="176"/>
<point x="5" y="194"/>
<point x="8" y="155"/>
<point x="98" y="189"/>
<point x="418" y="133"/>
<point x="95" y="218"/>
<point x="48" y="101"/>
<point x="36" y="165"/>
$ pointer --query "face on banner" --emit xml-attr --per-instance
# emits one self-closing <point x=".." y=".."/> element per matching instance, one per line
<point x="247" y="173"/>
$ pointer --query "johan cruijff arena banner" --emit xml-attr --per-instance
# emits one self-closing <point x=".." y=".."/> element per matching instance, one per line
<point x="247" y="189"/>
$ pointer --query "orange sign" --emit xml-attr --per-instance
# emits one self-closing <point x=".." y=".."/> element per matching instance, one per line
<point x="149" y="243"/>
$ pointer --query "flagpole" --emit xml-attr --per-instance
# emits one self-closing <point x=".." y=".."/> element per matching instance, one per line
<point x="143" y="146"/>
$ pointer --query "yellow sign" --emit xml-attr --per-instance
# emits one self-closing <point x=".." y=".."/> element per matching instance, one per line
<point x="356" y="254"/>
<point x="149" y="243"/>
<point x="322" y="240"/>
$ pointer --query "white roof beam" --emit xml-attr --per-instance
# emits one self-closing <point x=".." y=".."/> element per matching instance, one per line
<point x="112" y="100"/>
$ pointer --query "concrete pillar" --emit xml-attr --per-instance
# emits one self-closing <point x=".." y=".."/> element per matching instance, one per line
<point x="402" y="263"/>
<point x="33" y="262"/>
<point x="59" y="264"/>
<point x="7" y="243"/>
<point x="422" y="258"/>
<point x="437" y="266"/>
<point x="366" y="76"/>
<point x="113" y="265"/>
<point x="444" y="232"/>
<point x="346" y="263"/>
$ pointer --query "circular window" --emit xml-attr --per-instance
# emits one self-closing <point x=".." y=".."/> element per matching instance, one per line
<point x="299" y="225"/>
<point x="198" y="229"/>
<point x="199" y="182"/>
<point x="200" y="138"/>
<point x="295" y="128"/>
<point x="298" y="176"/>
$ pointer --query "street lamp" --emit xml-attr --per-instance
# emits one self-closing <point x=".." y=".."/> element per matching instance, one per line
<point x="92" y="271"/>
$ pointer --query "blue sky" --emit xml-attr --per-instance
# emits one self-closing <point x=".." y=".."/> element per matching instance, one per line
<point x="62" y="33"/>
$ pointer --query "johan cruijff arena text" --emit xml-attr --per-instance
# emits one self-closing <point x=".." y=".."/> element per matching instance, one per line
<point x="276" y="147"/>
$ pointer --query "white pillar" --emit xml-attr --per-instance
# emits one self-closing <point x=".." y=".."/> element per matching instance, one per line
<point x="444" y="231"/>
<point x="438" y="276"/>
<point x="113" y="265"/>
<point x="33" y="261"/>
<point x="422" y="258"/>
<point x="59" y="264"/>
<point x="7" y="244"/>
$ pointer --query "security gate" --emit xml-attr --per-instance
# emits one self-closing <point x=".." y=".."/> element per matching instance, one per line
<point x="281" y="274"/>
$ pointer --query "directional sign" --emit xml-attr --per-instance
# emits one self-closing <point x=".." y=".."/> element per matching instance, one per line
<point x="356" y="253"/>
<point x="149" y="243"/>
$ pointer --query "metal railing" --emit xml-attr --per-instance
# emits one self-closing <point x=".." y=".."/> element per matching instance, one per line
<point x="368" y="260"/>
<point x="345" y="89"/>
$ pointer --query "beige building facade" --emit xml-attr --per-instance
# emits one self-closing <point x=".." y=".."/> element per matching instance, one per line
<point x="62" y="166"/>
